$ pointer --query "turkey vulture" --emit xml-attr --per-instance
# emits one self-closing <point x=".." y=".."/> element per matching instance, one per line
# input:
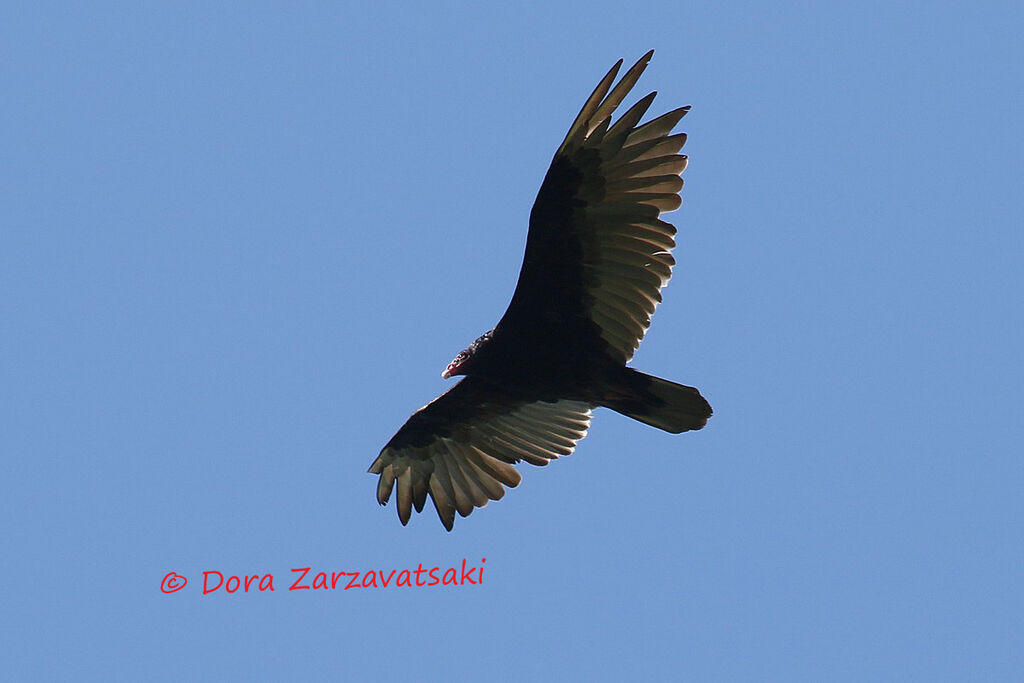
<point x="597" y="256"/>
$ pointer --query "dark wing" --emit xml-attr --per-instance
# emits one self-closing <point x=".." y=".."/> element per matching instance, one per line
<point x="460" y="447"/>
<point x="596" y="247"/>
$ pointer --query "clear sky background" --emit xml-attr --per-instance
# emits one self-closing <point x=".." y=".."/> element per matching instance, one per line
<point x="240" y="242"/>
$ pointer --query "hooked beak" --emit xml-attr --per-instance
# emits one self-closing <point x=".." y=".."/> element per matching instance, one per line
<point x="445" y="374"/>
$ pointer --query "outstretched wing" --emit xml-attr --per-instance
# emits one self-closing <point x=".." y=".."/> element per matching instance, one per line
<point x="460" y="447"/>
<point x="596" y="248"/>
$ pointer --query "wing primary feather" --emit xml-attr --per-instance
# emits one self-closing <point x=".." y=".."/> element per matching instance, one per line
<point x="623" y="87"/>
<point x="617" y="134"/>
<point x="643" y="150"/>
<point x="579" y="126"/>
<point x="420" y="484"/>
<point x="597" y="134"/>
<point x="658" y="127"/>
<point x="404" y="500"/>
<point x="386" y="483"/>
<point x="650" y="149"/>
<point x="443" y="493"/>
<point x="463" y="503"/>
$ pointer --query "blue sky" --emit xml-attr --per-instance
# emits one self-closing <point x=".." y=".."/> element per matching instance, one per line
<point x="241" y="241"/>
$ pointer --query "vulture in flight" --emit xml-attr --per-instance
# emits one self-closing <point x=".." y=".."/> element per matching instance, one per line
<point x="597" y="256"/>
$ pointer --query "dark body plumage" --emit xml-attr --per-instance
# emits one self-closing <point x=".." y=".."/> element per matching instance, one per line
<point x="596" y="258"/>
